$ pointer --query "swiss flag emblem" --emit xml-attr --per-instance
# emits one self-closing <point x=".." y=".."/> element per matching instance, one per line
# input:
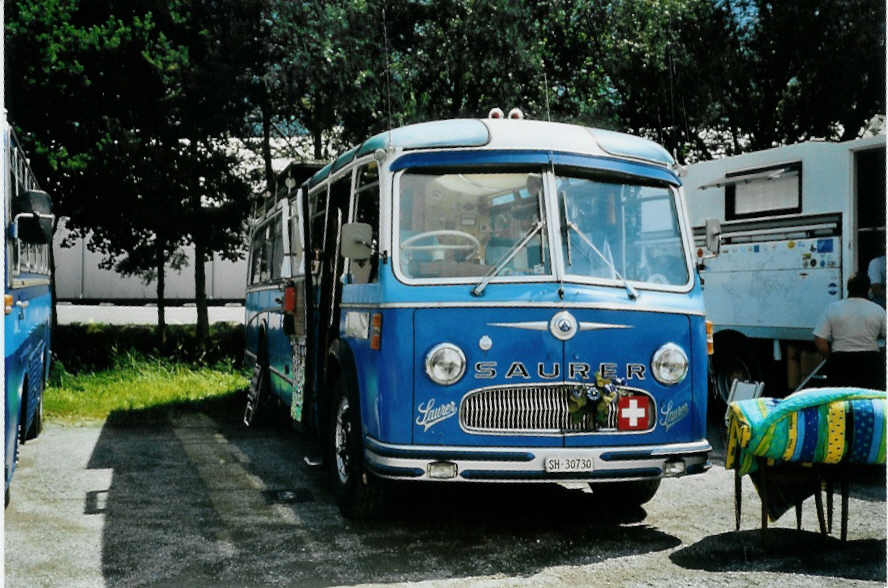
<point x="634" y="413"/>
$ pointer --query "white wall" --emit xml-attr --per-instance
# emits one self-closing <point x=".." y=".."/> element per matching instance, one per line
<point x="78" y="277"/>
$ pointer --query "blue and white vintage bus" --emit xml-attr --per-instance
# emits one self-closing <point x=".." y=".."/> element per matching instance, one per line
<point x="485" y="300"/>
<point x="27" y="301"/>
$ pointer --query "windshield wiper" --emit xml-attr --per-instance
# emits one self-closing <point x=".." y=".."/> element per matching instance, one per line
<point x="569" y="224"/>
<point x="505" y="259"/>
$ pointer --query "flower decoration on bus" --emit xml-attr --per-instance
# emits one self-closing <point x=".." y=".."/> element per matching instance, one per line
<point x="609" y="406"/>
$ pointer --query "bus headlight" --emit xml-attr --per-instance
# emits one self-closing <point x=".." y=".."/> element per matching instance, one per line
<point x="669" y="364"/>
<point x="445" y="364"/>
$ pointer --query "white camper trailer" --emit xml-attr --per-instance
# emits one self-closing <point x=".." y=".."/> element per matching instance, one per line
<point x="795" y="223"/>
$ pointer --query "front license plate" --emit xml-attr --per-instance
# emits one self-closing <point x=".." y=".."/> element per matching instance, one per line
<point x="556" y="465"/>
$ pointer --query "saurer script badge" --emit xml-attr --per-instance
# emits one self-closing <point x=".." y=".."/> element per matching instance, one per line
<point x="430" y="415"/>
<point x="669" y="416"/>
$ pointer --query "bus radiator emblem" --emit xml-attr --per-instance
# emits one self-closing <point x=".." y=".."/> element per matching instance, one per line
<point x="431" y="415"/>
<point x="563" y="326"/>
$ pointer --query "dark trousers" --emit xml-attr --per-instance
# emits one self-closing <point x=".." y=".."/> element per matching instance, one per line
<point x="857" y="369"/>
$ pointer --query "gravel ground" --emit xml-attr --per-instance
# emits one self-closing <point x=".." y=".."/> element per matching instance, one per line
<point x="204" y="503"/>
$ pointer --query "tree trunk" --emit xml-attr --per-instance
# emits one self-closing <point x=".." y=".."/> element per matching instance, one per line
<point x="54" y="317"/>
<point x="200" y="273"/>
<point x="161" y="285"/>
<point x="316" y="136"/>
<point x="266" y="143"/>
<point x="200" y="290"/>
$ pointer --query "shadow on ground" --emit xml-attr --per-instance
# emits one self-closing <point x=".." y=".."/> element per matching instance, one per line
<point x="785" y="551"/>
<point x="195" y="499"/>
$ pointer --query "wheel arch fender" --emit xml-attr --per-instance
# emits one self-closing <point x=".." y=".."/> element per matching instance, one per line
<point x="341" y="364"/>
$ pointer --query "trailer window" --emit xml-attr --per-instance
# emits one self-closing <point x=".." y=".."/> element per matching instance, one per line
<point x="767" y="191"/>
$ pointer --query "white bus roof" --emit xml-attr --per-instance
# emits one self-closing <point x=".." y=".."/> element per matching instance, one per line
<point x="506" y="134"/>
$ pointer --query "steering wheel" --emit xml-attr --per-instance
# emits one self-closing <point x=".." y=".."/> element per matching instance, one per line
<point x="657" y="279"/>
<point x="473" y="247"/>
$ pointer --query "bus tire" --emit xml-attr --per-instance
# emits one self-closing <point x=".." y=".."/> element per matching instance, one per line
<point x="6" y="469"/>
<point x="633" y="493"/>
<point x="733" y="359"/>
<point x="22" y="429"/>
<point x="37" y="424"/>
<point x="357" y="491"/>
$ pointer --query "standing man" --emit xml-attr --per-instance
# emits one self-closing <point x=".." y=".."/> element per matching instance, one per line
<point x="847" y="336"/>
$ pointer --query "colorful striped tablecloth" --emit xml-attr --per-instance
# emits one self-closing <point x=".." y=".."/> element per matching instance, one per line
<point x="820" y="425"/>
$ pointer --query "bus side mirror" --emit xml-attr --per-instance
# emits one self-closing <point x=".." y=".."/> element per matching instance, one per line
<point x="357" y="241"/>
<point x="713" y="235"/>
<point x="32" y="217"/>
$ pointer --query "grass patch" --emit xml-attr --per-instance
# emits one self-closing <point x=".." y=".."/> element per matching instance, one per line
<point x="145" y="386"/>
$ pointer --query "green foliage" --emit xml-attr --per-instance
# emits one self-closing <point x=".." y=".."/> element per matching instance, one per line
<point x="81" y="348"/>
<point x="127" y="106"/>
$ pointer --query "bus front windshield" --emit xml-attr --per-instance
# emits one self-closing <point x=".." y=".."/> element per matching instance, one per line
<point x="466" y="225"/>
<point x="620" y="231"/>
<point x="477" y="227"/>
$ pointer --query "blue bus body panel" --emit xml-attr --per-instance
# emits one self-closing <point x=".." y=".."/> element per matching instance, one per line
<point x="514" y="351"/>
<point x="263" y="313"/>
<point x="396" y="393"/>
<point x="26" y="343"/>
<point x="385" y="379"/>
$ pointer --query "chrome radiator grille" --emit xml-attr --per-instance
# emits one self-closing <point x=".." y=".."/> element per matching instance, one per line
<point x="536" y="409"/>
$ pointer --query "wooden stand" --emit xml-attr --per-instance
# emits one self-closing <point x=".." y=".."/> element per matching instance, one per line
<point x="818" y="475"/>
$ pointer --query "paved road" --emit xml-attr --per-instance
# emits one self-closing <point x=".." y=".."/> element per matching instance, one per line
<point x="199" y="502"/>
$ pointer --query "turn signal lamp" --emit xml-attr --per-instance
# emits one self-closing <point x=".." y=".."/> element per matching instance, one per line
<point x="376" y="331"/>
<point x="495" y="113"/>
<point x="290" y="299"/>
<point x="710" y="341"/>
<point x="7" y="303"/>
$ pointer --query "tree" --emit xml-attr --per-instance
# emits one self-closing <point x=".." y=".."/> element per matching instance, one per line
<point x="202" y="74"/>
<point x="808" y="70"/>
<point x="150" y="96"/>
<point x="81" y="92"/>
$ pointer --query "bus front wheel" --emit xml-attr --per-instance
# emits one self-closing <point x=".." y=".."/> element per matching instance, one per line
<point x="357" y="491"/>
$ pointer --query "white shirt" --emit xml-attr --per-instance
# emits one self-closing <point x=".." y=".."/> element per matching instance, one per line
<point x="876" y="270"/>
<point x="852" y="324"/>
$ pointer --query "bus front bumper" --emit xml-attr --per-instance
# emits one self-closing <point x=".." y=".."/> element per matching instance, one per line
<point x="535" y="464"/>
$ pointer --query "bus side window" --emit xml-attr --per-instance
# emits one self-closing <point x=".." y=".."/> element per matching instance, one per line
<point x="297" y="247"/>
<point x="367" y="211"/>
<point x="257" y="256"/>
<point x="276" y="264"/>
<point x="318" y="202"/>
